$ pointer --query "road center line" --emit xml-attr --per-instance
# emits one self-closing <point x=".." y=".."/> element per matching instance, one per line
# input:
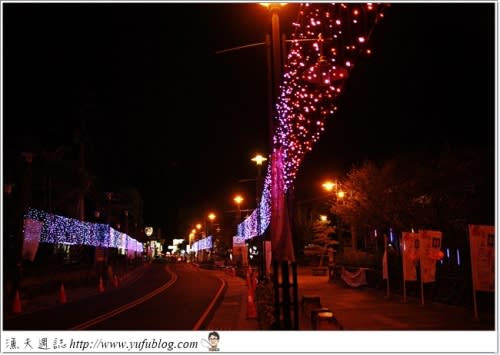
<point x="129" y="305"/>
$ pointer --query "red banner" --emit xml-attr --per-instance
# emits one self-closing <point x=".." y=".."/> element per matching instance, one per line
<point x="482" y="250"/>
<point x="31" y="238"/>
<point x="429" y="253"/>
<point x="410" y="255"/>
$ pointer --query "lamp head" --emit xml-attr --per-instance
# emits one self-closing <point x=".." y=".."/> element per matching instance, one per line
<point x="258" y="159"/>
<point x="329" y="185"/>
<point x="238" y="199"/>
<point x="273" y="5"/>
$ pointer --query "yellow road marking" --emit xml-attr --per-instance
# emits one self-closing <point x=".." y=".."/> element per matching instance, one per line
<point x="127" y="306"/>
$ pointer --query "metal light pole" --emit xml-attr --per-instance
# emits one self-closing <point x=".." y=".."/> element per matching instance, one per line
<point x="238" y="199"/>
<point x="211" y="217"/>
<point x="259" y="159"/>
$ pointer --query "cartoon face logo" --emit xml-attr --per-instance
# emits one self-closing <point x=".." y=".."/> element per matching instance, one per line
<point x="213" y="341"/>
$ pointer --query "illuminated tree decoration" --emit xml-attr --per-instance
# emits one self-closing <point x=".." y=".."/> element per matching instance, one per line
<point x="327" y="40"/>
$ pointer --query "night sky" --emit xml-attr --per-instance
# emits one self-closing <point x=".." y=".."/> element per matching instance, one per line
<point x="166" y="114"/>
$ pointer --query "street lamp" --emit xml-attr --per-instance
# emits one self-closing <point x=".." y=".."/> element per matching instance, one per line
<point x="329" y="185"/>
<point x="282" y="303"/>
<point x="277" y="53"/>
<point x="238" y="199"/>
<point x="259" y="159"/>
<point x="211" y="217"/>
<point x="338" y="195"/>
<point x="274" y="63"/>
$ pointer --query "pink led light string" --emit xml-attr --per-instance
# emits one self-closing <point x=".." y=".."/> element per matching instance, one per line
<point x="326" y="42"/>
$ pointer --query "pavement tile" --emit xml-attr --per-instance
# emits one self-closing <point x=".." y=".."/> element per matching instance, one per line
<point x="361" y="308"/>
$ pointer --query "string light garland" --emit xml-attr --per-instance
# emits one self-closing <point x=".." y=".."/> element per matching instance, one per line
<point x="63" y="230"/>
<point x="326" y="42"/>
<point x="202" y="244"/>
<point x="316" y="71"/>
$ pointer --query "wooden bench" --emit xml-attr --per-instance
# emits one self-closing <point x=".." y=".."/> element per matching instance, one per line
<point x="314" y="316"/>
<point x="308" y="303"/>
<point x="327" y="321"/>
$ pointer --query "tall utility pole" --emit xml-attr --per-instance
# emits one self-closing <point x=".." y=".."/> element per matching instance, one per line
<point x="80" y="133"/>
<point x="287" y="297"/>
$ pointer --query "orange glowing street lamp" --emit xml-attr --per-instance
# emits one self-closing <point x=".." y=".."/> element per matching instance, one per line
<point x="211" y="216"/>
<point x="333" y="186"/>
<point x="271" y="5"/>
<point x="329" y="185"/>
<point x="238" y="199"/>
<point x="259" y="159"/>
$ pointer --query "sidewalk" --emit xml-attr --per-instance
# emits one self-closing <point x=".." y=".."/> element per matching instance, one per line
<point x="232" y="312"/>
<point x="355" y="308"/>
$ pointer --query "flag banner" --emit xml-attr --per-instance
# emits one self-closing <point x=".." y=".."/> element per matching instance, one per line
<point x="354" y="279"/>
<point x="281" y="234"/>
<point x="482" y="246"/>
<point x="410" y="255"/>
<point x="240" y="255"/>
<point x="429" y="254"/>
<point x="267" y="247"/>
<point x="238" y="241"/>
<point x="31" y="238"/>
<point x="385" y="271"/>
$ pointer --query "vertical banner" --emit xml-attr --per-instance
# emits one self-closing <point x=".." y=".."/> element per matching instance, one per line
<point x="429" y="252"/>
<point x="410" y="255"/>
<point x="482" y="250"/>
<point x="268" y="258"/>
<point x="385" y="271"/>
<point x="32" y="230"/>
<point x="281" y="234"/>
<point x="240" y="251"/>
<point x="385" y="266"/>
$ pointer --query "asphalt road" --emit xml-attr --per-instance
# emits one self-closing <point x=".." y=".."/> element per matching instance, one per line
<point x="166" y="297"/>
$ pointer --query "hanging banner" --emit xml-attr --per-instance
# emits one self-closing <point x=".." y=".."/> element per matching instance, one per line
<point x="100" y="255"/>
<point x="354" y="279"/>
<point x="240" y="255"/>
<point x="268" y="258"/>
<point x="281" y="234"/>
<point x="238" y="241"/>
<point x="429" y="253"/>
<point x="482" y="247"/>
<point x="385" y="271"/>
<point x="31" y="238"/>
<point x="410" y="255"/>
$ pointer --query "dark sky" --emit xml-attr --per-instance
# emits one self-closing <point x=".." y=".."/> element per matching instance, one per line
<point x="166" y="114"/>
